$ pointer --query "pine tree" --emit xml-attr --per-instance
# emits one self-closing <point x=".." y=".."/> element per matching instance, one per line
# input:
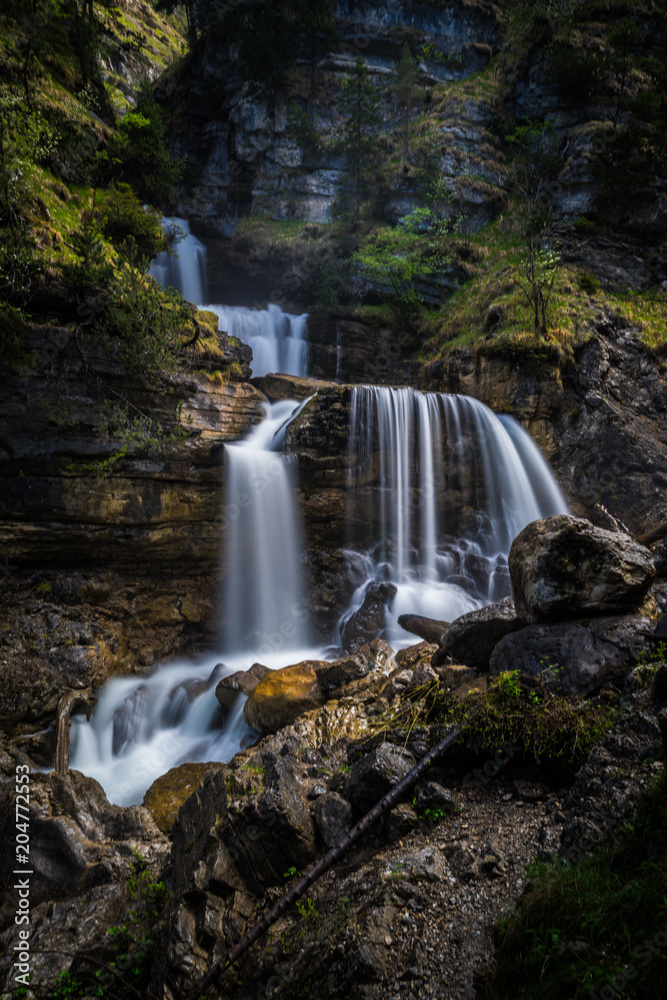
<point x="406" y="91"/>
<point x="359" y="142"/>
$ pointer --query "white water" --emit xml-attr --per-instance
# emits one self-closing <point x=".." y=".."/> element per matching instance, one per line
<point x="185" y="269"/>
<point x="439" y="457"/>
<point x="276" y="337"/>
<point x="264" y="583"/>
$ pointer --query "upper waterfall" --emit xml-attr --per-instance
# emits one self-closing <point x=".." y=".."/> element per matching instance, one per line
<point x="277" y="338"/>
<point x="185" y="267"/>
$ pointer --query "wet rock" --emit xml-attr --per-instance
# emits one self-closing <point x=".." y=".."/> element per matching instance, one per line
<point x="472" y="638"/>
<point x="429" y="629"/>
<point x="240" y="682"/>
<point x="372" y="776"/>
<point x="565" y="567"/>
<point x="422" y="652"/>
<point x="277" y="387"/>
<point x="370" y="619"/>
<point x="333" y="815"/>
<point x="660" y="558"/>
<point x="575" y="656"/>
<point x="167" y="794"/>
<point x="422" y="675"/>
<point x="282" y="696"/>
<point x="176" y="704"/>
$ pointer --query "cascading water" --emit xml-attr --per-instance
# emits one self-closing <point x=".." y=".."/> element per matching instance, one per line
<point x="445" y="485"/>
<point x="142" y="727"/>
<point x="264" y="582"/>
<point x="277" y="338"/>
<point x="185" y="268"/>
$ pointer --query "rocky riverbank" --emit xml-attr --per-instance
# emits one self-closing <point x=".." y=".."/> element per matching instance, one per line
<point x="409" y="911"/>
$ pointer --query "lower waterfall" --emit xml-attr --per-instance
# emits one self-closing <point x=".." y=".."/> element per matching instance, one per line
<point x="445" y="485"/>
<point x="438" y="486"/>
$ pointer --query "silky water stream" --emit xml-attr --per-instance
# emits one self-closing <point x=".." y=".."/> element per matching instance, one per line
<point x="438" y="486"/>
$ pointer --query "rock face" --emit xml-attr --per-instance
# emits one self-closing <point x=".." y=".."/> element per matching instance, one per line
<point x="564" y="567"/>
<point x="472" y="638"/>
<point x="244" y="157"/>
<point x="576" y="657"/>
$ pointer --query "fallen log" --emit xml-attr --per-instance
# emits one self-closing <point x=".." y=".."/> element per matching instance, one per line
<point x="323" y="865"/>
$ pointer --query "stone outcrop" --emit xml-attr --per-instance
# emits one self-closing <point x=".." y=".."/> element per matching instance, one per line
<point x="472" y="638"/>
<point x="565" y="567"/>
<point x="576" y="657"/>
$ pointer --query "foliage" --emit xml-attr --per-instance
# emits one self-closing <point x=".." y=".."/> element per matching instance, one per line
<point x="358" y="141"/>
<point x="121" y="215"/>
<point x="520" y="711"/>
<point x="533" y="168"/>
<point x="300" y="126"/>
<point x="12" y="349"/>
<point x="393" y="260"/>
<point x="597" y="925"/>
<point x="143" y="327"/>
<point x="264" y="36"/>
<point x="25" y="139"/>
<point x="19" y="266"/>
<point x="137" y="154"/>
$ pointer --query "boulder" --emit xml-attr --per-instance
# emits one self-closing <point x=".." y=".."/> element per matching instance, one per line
<point x="401" y="822"/>
<point x="370" y="656"/>
<point x="372" y="776"/>
<point x="282" y="696"/>
<point x="333" y="815"/>
<point x="78" y="839"/>
<point x="167" y="794"/>
<point x="433" y="800"/>
<point x="564" y="567"/>
<point x="240" y="682"/>
<point x="575" y="657"/>
<point x="369" y="620"/>
<point x="429" y="629"/>
<point x="422" y="652"/>
<point x="472" y="638"/>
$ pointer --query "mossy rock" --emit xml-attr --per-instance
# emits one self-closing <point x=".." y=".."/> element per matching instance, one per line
<point x="168" y="792"/>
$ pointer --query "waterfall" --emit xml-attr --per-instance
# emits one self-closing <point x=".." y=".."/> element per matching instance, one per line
<point x="277" y="338"/>
<point x="141" y="727"/>
<point x="185" y="268"/>
<point x="264" y="581"/>
<point x="445" y="485"/>
<point x="438" y="486"/>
